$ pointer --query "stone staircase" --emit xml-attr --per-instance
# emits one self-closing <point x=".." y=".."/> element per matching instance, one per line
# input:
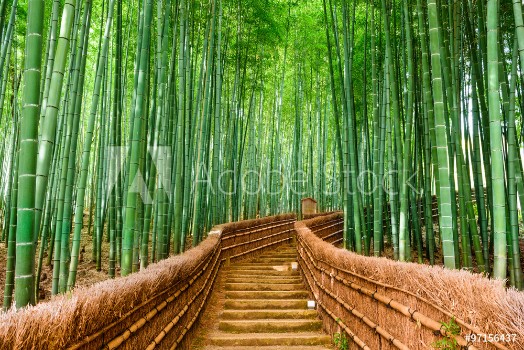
<point x="265" y="307"/>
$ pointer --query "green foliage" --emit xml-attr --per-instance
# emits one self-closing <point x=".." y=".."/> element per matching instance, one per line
<point x="448" y="342"/>
<point x="341" y="341"/>
<point x="261" y="93"/>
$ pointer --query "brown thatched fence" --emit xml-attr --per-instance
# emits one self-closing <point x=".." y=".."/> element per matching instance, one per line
<point x="154" y="308"/>
<point x="375" y="302"/>
<point x="382" y="304"/>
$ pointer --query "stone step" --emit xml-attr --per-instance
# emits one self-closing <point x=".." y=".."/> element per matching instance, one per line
<point x="286" y="250"/>
<point x="276" y="347"/>
<point x="283" y="252"/>
<point x="265" y="307"/>
<point x="301" y="294"/>
<point x="269" y="325"/>
<point x="258" y="271"/>
<point x="264" y="286"/>
<point x="269" y="339"/>
<point x="278" y="255"/>
<point x="268" y="313"/>
<point x="275" y="264"/>
<point x="281" y="260"/>
<point x="250" y="304"/>
<point x="264" y="279"/>
<point x="285" y="246"/>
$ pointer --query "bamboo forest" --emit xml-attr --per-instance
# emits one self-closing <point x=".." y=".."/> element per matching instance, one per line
<point x="132" y="131"/>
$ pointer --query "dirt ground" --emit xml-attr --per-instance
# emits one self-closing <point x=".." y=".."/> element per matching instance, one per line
<point x="86" y="273"/>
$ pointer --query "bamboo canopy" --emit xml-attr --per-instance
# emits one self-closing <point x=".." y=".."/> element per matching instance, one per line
<point x="130" y="128"/>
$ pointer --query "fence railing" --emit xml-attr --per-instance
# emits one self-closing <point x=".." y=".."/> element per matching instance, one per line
<point x="154" y="308"/>
<point x="377" y="303"/>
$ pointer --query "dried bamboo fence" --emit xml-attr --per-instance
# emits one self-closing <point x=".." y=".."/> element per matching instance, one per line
<point x="382" y="304"/>
<point x="154" y="309"/>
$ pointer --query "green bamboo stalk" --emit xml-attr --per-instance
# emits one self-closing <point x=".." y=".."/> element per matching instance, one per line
<point x="24" y="270"/>
<point x="495" y="131"/>
<point x="100" y="68"/>
<point x="429" y="155"/>
<point x="404" y="245"/>
<point x="446" y="196"/>
<point x="512" y="186"/>
<point x="395" y="127"/>
<point x="51" y="47"/>
<point x="11" y="240"/>
<point x="6" y="48"/>
<point x="132" y="196"/>
<point x="47" y="142"/>
<point x="75" y="104"/>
